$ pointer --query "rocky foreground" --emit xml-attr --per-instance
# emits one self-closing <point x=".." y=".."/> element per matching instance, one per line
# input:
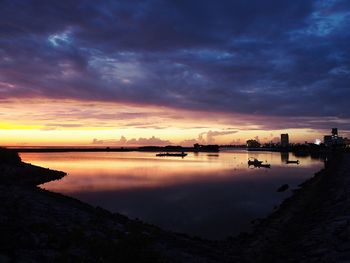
<point x="311" y="226"/>
<point x="40" y="226"/>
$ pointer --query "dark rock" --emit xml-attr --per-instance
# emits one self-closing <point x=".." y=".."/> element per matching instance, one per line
<point x="4" y="259"/>
<point x="283" y="188"/>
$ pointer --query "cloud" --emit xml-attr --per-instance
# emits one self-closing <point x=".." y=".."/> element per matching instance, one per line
<point x="203" y="138"/>
<point x="206" y="137"/>
<point x="276" y="139"/>
<point x="237" y="142"/>
<point x="212" y="134"/>
<point x="55" y="126"/>
<point x="284" y="59"/>
<point x="189" y="142"/>
<point x="152" y="141"/>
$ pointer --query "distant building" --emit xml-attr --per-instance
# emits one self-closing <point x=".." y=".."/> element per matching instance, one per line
<point x="328" y="140"/>
<point x="335" y="131"/>
<point x="335" y="134"/>
<point x="334" y="139"/>
<point x="253" y="144"/>
<point x="347" y="142"/>
<point x="284" y="140"/>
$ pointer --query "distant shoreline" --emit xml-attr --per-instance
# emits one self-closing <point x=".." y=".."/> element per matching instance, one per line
<point x="138" y="149"/>
<point x="114" y="149"/>
<point x="298" y="150"/>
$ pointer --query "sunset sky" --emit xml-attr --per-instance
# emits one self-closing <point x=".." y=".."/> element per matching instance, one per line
<point x="150" y="72"/>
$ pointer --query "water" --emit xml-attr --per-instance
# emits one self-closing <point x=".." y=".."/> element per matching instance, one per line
<point x="204" y="194"/>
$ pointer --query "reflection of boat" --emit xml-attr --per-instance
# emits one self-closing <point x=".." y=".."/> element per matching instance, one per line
<point x="292" y="161"/>
<point x="266" y="165"/>
<point x="183" y="154"/>
<point x="257" y="163"/>
<point x="253" y="161"/>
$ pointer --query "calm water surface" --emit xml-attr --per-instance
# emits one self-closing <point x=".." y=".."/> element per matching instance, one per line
<point x="204" y="194"/>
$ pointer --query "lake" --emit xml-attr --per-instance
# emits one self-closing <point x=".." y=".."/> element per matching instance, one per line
<point x="211" y="195"/>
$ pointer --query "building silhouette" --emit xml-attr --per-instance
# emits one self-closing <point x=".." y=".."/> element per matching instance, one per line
<point x="334" y="134"/>
<point x="328" y="140"/>
<point x="284" y="140"/>
<point x="333" y="139"/>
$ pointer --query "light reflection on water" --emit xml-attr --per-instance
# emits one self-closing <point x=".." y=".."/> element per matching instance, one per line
<point x="205" y="194"/>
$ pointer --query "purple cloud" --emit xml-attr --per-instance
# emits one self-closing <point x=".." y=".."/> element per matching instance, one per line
<point x="286" y="59"/>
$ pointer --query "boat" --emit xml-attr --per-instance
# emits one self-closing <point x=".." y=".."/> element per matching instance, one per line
<point x="253" y="161"/>
<point x="257" y="163"/>
<point x="183" y="154"/>
<point x="265" y="165"/>
<point x="213" y="155"/>
<point x="292" y="161"/>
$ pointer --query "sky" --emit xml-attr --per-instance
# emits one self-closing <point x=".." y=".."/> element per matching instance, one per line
<point x="152" y="72"/>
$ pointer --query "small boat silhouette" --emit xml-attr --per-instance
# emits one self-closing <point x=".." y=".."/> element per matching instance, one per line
<point x="256" y="163"/>
<point x="265" y="165"/>
<point x="183" y="154"/>
<point x="292" y="161"/>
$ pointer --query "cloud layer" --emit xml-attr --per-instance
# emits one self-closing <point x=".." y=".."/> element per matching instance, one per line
<point x="285" y="59"/>
<point x="123" y="141"/>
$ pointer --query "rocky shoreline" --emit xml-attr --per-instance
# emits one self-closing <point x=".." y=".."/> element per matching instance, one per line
<point x="313" y="225"/>
<point x="37" y="225"/>
<point x="41" y="226"/>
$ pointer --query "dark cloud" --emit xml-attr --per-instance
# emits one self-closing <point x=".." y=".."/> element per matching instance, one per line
<point x="266" y="58"/>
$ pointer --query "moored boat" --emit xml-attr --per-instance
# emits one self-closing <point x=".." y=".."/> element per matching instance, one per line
<point x="292" y="161"/>
<point x="254" y="161"/>
<point x="265" y="165"/>
<point x="183" y="154"/>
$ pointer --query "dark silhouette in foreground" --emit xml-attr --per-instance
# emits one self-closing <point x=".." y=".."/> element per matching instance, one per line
<point x="40" y="226"/>
<point x="283" y="188"/>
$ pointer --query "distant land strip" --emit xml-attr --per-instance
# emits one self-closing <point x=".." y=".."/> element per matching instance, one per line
<point x="203" y="148"/>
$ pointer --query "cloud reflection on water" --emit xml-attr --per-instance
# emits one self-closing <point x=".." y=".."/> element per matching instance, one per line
<point x="210" y="196"/>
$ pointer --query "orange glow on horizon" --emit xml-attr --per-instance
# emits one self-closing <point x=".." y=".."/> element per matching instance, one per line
<point x="74" y="123"/>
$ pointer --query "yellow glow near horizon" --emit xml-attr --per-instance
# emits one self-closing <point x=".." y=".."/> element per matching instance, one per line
<point x="66" y="122"/>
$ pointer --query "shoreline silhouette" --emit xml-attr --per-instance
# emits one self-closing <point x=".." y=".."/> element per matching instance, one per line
<point x="45" y="221"/>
